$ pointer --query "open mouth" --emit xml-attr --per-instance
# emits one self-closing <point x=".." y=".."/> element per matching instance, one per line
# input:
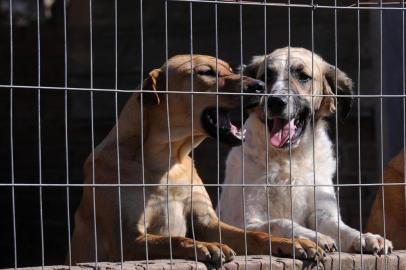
<point x="285" y="132"/>
<point x="228" y="124"/>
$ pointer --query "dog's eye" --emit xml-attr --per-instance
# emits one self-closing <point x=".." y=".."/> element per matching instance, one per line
<point x="303" y="77"/>
<point x="270" y="76"/>
<point x="206" y="72"/>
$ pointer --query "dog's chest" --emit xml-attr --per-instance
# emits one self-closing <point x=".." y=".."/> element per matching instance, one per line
<point x="169" y="218"/>
<point x="284" y="194"/>
<point x="290" y="191"/>
<point x="167" y="206"/>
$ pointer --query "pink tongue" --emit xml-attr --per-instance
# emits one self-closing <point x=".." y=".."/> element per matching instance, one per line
<point x="282" y="130"/>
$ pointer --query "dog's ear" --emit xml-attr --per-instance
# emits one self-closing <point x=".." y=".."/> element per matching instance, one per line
<point x="251" y="70"/>
<point x="335" y="79"/>
<point x="153" y="82"/>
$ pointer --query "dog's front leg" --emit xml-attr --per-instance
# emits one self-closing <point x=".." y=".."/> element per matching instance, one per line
<point x="283" y="227"/>
<point x="160" y="247"/>
<point x="255" y="243"/>
<point x="351" y="240"/>
<point x="329" y="222"/>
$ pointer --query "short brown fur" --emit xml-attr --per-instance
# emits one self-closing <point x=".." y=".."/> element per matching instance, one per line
<point x="395" y="211"/>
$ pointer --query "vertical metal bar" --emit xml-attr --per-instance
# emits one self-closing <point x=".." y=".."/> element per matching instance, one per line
<point x="217" y="129"/>
<point x="313" y="136"/>
<point x="290" y="144"/>
<point x="404" y="103"/>
<point x="381" y="129"/>
<point x="66" y="132"/>
<point x="267" y="135"/>
<point x="92" y="131"/>
<point x="39" y="136"/>
<point x="142" y="132"/>
<point x="12" y="136"/>
<point x="242" y="144"/>
<point x="117" y="134"/>
<point x="192" y="128"/>
<point x="336" y="134"/>
<point x="359" y="129"/>
<point x="169" y="132"/>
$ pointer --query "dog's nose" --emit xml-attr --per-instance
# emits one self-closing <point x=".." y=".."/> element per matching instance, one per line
<point x="277" y="104"/>
<point x="252" y="86"/>
<point x="255" y="86"/>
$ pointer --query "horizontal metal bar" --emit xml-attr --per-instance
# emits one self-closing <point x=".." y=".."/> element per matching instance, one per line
<point x="196" y="185"/>
<point x="188" y="93"/>
<point x="314" y="6"/>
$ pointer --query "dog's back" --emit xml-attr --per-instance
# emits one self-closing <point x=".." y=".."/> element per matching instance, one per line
<point x="395" y="212"/>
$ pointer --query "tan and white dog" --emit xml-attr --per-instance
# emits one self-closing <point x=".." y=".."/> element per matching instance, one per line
<point x="155" y="217"/>
<point x="299" y="153"/>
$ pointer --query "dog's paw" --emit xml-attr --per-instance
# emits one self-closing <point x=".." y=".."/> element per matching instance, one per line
<point x="372" y="243"/>
<point x="303" y="249"/>
<point x="213" y="253"/>
<point x="311" y="250"/>
<point x="326" y="242"/>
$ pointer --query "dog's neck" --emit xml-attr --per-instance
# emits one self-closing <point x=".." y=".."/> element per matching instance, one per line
<point x="153" y="135"/>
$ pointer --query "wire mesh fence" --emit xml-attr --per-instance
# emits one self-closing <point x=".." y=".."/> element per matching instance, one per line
<point x="72" y="70"/>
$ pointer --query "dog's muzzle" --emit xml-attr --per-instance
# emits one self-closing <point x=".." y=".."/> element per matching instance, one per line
<point x="287" y="117"/>
<point x="226" y="123"/>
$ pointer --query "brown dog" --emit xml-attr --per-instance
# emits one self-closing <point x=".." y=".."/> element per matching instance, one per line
<point x="395" y="211"/>
<point x="144" y="159"/>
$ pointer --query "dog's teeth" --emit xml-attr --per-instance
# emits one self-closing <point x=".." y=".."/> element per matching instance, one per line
<point x="238" y="134"/>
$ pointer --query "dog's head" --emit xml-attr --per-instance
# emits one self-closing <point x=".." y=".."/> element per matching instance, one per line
<point x="201" y="74"/>
<point x="294" y="84"/>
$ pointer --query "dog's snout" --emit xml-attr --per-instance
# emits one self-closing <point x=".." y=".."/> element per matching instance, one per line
<point x="277" y="104"/>
<point x="255" y="86"/>
<point x="252" y="86"/>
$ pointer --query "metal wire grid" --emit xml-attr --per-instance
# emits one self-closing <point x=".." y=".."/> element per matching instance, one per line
<point x="379" y="6"/>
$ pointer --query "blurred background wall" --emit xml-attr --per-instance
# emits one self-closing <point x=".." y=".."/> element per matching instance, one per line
<point x="130" y="73"/>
